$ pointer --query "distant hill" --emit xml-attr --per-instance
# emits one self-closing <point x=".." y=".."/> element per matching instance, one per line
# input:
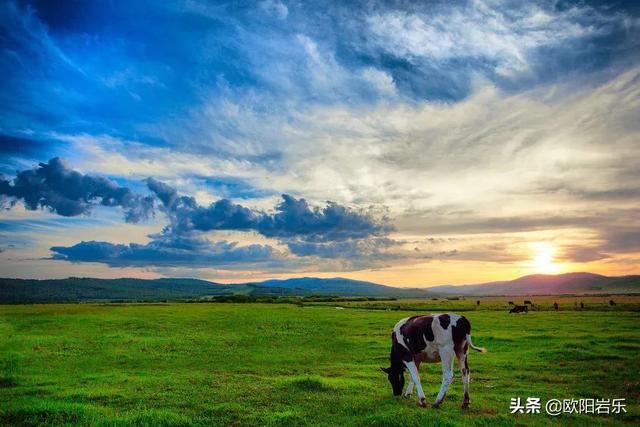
<point x="340" y="286"/>
<point x="545" y="284"/>
<point x="81" y="289"/>
<point x="89" y="289"/>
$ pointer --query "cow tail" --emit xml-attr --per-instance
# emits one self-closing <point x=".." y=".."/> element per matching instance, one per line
<point x="480" y="349"/>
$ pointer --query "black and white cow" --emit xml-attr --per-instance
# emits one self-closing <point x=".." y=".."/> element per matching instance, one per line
<point x="519" y="309"/>
<point x="431" y="339"/>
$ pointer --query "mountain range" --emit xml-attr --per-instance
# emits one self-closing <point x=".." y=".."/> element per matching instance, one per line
<point x="546" y="284"/>
<point x="127" y="289"/>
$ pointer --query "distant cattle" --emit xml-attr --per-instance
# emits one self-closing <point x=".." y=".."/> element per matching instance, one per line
<point x="430" y="339"/>
<point x="612" y="302"/>
<point x="478" y="302"/>
<point x="527" y="302"/>
<point x="510" y="303"/>
<point x="555" y="305"/>
<point x="581" y="305"/>
<point x="519" y="309"/>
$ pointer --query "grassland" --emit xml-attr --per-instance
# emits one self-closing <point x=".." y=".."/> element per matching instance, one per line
<point x="290" y="365"/>
<point x="500" y="303"/>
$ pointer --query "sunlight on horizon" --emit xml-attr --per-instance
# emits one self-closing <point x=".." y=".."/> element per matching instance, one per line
<point x="543" y="261"/>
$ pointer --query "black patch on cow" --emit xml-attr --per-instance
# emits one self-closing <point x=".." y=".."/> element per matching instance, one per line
<point x="395" y="372"/>
<point x="398" y="354"/>
<point x="445" y="320"/>
<point x="459" y="332"/>
<point x="416" y="331"/>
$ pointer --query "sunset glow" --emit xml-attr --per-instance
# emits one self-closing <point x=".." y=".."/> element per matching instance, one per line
<point x="543" y="261"/>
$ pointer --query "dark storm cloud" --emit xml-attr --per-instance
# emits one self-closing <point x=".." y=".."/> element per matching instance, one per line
<point x="292" y="218"/>
<point x="166" y="251"/>
<point x="331" y="231"/>
<point x="60" y="189"/>
<point x="185" y="214"/>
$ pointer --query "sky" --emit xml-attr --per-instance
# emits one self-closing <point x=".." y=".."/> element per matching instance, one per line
<point x="405" y="143"/>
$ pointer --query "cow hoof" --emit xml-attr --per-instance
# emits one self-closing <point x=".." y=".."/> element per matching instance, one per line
<point x="422" y="403"/>
<point x="436" y="405"/>
<point x="406" y="396"/>
<point x="465" y="405"/>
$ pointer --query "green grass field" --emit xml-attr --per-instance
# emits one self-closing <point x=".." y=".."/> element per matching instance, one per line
<point x="286" y="365"/>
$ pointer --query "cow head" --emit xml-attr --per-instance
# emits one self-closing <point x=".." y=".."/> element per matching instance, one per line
<point x="396" y="378"/>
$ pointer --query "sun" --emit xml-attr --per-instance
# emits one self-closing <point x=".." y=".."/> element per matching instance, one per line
<point x="543" y="258"/>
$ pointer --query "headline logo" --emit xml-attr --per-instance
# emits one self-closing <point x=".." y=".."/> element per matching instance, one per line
<point x="555" y="407"/>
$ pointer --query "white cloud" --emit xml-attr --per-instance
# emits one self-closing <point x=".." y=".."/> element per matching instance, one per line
<point x="485" y="30"/>
<point x="380" y="80"/>
<point x="493" y="149"/>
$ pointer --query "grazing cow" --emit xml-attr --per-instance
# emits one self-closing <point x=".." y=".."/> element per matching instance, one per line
<point x="430" y="339"/>
<point x="510" y="303"/>
<point x="581" y="305"/>
<point x="527" y="302"/>
<point x="555" y="305"/>
<point x="612" y="302"/>
<point x="519" y="309"/>
<point x="478" y="302"/>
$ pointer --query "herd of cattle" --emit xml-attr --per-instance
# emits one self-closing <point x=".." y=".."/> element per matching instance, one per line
<point x="525" y="308"/>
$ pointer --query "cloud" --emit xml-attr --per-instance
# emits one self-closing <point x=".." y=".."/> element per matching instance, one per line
<point x="375" y="248"/>
<point x="60" y="189"/>
<point x="295" y="217"/>
<point x="624" y="239"/>
<point x="579" y="253"/>
<point x="490" y="32"/>
<point x="66" y="192"/>
<point x="292" y="218"/>
<point x="166" y="251"/>
<point x="456" y="120"/>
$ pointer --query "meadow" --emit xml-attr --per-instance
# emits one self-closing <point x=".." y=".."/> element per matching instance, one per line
<point x="297" y="365"/>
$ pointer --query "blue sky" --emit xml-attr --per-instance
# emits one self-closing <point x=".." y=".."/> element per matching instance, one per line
<point x="404" y="142"/>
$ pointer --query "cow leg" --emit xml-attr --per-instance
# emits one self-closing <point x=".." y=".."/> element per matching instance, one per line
<point x="415" y="378"/>
<point x="446" y="358"/>
<point x="409" y="391"/>
<point x="464" y="370"/>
